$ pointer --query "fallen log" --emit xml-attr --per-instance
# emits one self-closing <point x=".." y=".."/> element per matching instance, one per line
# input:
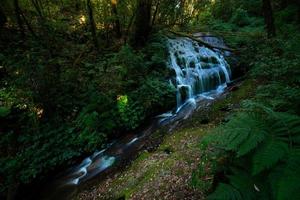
<point x="201" y="41"/>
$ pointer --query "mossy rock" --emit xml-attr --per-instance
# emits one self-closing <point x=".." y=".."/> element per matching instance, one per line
<point x="184" y="92"/>
<point x="205" y="65"/>
<point x="192" y="64"/>
<point x="178" y="61"/>
<point x="214" y="60"/>
<point x="204" y="59"/>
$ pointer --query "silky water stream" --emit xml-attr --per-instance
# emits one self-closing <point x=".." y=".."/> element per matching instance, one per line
<point x="201" y="74"/>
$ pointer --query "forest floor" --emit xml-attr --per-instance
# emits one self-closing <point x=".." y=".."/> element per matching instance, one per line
<point x="166" y="171"/>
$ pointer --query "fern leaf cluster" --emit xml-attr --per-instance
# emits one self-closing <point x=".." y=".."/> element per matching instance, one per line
<point x="266" y="147"/>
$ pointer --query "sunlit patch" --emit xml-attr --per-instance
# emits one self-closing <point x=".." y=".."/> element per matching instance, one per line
<point x="82" y="19"/>
<point x="114" y="2"/>
<point x="39" y="112"/>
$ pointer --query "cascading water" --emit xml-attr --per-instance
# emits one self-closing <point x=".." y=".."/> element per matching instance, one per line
<point x="199" y="70"/>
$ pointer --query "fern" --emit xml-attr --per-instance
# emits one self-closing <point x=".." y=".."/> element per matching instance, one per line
<point x="286" y="124"/>
<point x="288" y="186"/>
<point x="243" y="133"/>
<point x="252" y="141"/>
<point x="244" y="183"/>
<point x="268" y="155"/>
<point x="225" y="192"/>
<point x="262" y="140"/>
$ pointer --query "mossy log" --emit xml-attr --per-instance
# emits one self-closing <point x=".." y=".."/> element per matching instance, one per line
<point x="201" y="41"/>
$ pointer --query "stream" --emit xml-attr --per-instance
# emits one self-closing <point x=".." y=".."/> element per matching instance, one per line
<point x="199" y="74"/>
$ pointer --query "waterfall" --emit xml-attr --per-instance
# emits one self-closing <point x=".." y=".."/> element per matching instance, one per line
<point x="199" y="70"/>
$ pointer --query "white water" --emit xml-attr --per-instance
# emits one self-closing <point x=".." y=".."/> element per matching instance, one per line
<point x="199" y="70"/>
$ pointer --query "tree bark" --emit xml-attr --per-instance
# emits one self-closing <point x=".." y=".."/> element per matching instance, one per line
<point x="92" y="23"/>
<point x="117" y="26"/>
<point x="155" y="13"/>
<point x="142" y="26"/>
<point x="269" y="19"/>
<point x="77" y="5"/>
<point x="3" y="18"/>
<point x="18" y="17"/>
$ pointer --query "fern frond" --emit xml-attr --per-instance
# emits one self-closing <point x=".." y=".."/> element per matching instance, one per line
<point x="252" y="141"/>
<point x="286" y="124"/>
<point x="268" y="154"/>
<point x="225" y="192"/>
<point x="243" y="182"/>
<point x="243" y="133"/>
<point x="288" y="186"/>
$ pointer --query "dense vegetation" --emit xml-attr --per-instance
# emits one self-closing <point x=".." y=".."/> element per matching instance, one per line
<point x="76" y="74"/>
<point x="257" y="151"/>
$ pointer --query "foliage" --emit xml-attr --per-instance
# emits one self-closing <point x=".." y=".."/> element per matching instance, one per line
<point x="240" y="17"/>
<point x="56" y="106"/>
<point x="260" y="141"/>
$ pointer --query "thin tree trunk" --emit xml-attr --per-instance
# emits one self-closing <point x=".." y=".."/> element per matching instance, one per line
<point x="28" y="25"/>
<point x="18" y="17"/>
<point x="269" y="19"/>
<point x="77" y="5"/>
<point x="92" y="23"/>
<point x="298" y="12"/>
<point x="129" y="27"/>
<point x="12" y="191"/>
<point x="142" y="26"/>
<point x="117" y="26"/>
<point x="155" y="13"/>
<point x="3" y="18"/>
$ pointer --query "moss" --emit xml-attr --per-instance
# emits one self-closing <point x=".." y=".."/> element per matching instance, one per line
<point x="247" y="88"/>
<point x="205" y="65"/>
<point x="214" y="60"/>
<point x="192" y="64"/>
<point x="204" y="59"/>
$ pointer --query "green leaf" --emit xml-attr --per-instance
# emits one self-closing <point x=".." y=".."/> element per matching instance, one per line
<point x="225" y="192"/>
<point x="268" y="155"/>
<point x="288" y="186"/>
<point x="4" y="111"/>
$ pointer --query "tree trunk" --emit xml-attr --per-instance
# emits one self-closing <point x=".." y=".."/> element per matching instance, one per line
<point x="298" y="12"/>
<point x="269" y="20"/>
<point x="155" y="13"/>
<point x="142" y="26"/>
<point x="12" y="191"/>
<point x="77" y="5"/>
<point x="117" y="26"/>
<point x="92" y="23"/>
<point x="3" y="18"/>
<point x="18" y="17"/>
<point x="283" y="4"/>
